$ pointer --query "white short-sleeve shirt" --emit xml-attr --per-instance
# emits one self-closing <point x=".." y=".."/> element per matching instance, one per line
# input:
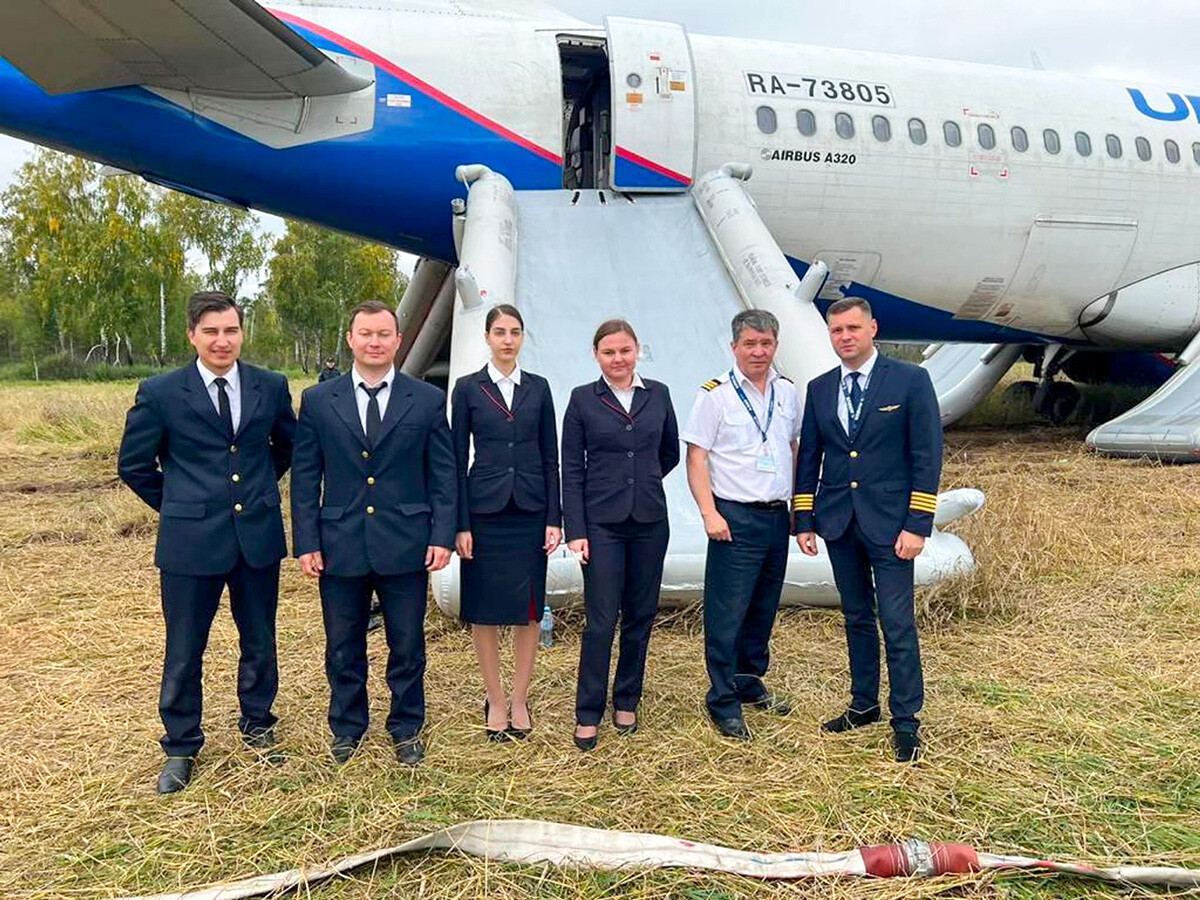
<point x="742" y="466"/>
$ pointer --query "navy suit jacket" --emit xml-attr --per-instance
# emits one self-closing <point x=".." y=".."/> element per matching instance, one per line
<point x="516" y="451"/>
<point x="613" y="462"/>
<point x="887" y="477"/>
<point x="215" y="498"/>
<point x="381" y="506"/>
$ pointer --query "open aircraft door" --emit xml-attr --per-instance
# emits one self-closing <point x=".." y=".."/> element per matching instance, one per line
<point x="653" y="105"/>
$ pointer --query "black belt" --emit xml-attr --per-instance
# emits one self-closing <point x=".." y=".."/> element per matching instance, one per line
<point x="771" y="505"/>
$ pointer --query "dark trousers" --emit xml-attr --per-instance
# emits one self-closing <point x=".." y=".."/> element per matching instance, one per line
<point x="743" y="579"/>
<point x="189" y="604"/>
<point x="622" y="579"/>
<point x="345" y="607"/>
<point x="876" y="587"/>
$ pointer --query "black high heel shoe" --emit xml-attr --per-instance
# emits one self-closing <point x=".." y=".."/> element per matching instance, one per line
<point x="495" y="735"/>
<point x="521" y="733"/>
<point x="625" y="730"/>
<point x="586" y="744"/>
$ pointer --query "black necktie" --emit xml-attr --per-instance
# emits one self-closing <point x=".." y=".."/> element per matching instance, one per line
<point x="223" y="406"/>
<point x="373" y="419"/>
<point x="855" y="410"/>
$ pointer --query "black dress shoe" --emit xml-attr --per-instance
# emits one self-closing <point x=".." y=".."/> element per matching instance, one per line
<point x="264" y="743"/>
<point x="494" y="735"/>
<point x="586" y="744"/>
<point x="771" y="703"/>
<point x="176" y="773"/>
<point x="624" y="730"/>
<point x="520" y="734"/>
<point x="851" y="719"/>
<point x="907" y="745"/>
<point x="733" y="727"/>
<point x="342" y="749"/>
<point x="410" y="751"/>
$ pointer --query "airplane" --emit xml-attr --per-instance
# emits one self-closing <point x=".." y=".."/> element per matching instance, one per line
<point x="993" y="213"/>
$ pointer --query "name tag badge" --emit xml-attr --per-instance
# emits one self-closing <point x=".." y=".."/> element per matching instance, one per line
<point x="765" y="462"/>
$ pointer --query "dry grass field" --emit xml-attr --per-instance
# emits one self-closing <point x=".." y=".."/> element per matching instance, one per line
<point x="1063" y="714"/>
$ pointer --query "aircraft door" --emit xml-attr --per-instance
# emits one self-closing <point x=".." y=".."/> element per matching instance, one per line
<point x="653" y="105"/>
<point x="1067" y="264"/>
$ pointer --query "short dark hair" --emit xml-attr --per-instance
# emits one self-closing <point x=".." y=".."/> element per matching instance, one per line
<point x="369" y="307"/>
<point x="203" y="302"/>
<point x="846" y="304"/>
<point x="757" y="319"/>
<point x="612" y="326"/>
<point x="501" y="309"/>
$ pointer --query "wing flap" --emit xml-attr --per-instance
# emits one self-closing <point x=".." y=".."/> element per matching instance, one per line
<point x="231" y="48"/>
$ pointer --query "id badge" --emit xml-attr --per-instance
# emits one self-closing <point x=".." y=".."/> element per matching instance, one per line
<point x="765" y="462"/>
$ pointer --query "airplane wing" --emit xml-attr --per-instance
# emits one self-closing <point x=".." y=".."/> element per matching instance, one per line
<point x="231" y="48"/>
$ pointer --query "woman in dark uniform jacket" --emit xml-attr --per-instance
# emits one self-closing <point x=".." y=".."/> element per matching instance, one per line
<point x="619" y="439"/>
<point x="509" y="513"/>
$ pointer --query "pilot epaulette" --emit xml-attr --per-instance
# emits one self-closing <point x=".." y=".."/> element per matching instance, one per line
<point x="709" y="385"/>
<point x="785" y="378"/>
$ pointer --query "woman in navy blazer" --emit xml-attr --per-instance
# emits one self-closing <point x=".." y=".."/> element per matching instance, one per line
<point x="509" y="513"/>
<point x="620" y="439"/>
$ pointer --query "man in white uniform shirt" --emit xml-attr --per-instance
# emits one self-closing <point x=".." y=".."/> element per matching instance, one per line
<point x="741" y="439"/>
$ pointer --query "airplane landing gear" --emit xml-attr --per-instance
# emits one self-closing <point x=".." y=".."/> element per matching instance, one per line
<point x="1056" y="400"/>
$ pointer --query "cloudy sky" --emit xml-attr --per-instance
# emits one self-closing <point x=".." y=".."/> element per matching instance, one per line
<point x="1148" y="41"/>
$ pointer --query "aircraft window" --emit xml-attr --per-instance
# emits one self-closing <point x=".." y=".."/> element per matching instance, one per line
<point x="1083" y="143"/>
<point x="806" y="122"/>
<point x="844" y="125"/>
<point x="952" y="133"/>
<point x="1172" y="150"/>
<point x="1020" y="139"/>
<point x="1143" y="149"/>
<point x="1050" y="138"/>
<point x="882" y="128"/>
<point x="1112" y="143"/>
<point x="1196" y="153"/>
<point x="987" y="136"/>
<point x="916" y="131"/>
<point x="767" y="123"/>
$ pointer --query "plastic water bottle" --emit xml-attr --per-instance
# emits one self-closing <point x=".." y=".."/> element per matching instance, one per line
<point x="546" y="628"/>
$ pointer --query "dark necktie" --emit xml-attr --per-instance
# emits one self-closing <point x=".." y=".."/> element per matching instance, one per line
<point x="373" y="418"/>
<point x="855" y="410"/>
<point x="223" y="406"/>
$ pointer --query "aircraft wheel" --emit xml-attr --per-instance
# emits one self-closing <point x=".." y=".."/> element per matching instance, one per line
<point x="1060" y="402"/>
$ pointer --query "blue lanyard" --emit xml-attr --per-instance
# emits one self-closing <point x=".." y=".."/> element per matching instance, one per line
<point x="852" y="412"/>
<point x="750" y="409"/>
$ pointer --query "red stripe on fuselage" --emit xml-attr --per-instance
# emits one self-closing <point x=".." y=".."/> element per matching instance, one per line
<point x="630" y="156"/>
<point x="416" y="83"/>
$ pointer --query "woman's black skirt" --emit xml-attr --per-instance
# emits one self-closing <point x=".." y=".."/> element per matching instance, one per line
<point x="505" y="584"/>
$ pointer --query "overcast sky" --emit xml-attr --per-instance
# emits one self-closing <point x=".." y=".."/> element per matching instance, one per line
<point x="1148" y="40"/>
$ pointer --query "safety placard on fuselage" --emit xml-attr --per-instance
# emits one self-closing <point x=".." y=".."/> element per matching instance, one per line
<point x="812" y="87"/>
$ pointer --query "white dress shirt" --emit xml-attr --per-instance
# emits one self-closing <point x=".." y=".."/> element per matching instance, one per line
<point x="233" y="389"/>
<point x="506" y="383"/>
<point x="362" y="398"/>
<point x="741" y="465"/>
<point x="864" y="371"/>
<point x="625" y="395"/>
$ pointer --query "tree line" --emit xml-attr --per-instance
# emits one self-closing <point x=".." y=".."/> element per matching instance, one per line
<point x="96" y="269"/>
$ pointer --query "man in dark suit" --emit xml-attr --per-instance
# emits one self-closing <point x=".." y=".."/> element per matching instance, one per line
<point x="866" y="482"/>
<point x="373" y="511"/>
<point x="205" y="446"/>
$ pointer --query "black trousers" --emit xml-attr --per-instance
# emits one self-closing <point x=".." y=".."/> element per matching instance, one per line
<point x="743" y="580"/>
<point x="345" y="607"/>
<point x="189" y="604"/>
<point x="876" y="587"/>
<point x="622" y="580"/>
